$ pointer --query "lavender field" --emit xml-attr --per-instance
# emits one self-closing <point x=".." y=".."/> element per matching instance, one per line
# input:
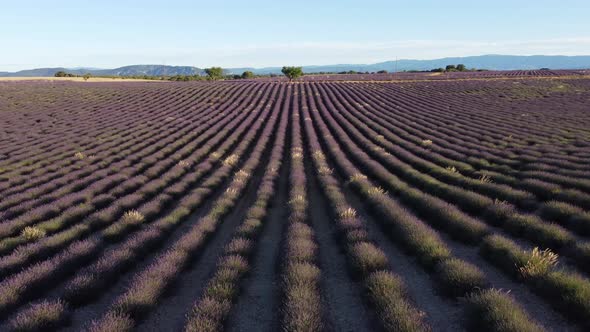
<point x="417" y="202"/>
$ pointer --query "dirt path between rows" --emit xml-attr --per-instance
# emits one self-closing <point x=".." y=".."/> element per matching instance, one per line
<point x="258" y="306"/>
<point x="170" y="314"/>
<point x="344" y="305"/>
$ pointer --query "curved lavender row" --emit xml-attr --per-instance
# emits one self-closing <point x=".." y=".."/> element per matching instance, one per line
<point x="29" y="275"/>
<point x="436" y="147"/>
<point x="513" y="221"/>
<point x="132" y="200"/>
<point x="428" y="152"/>
<point x="461" y="228"/>
<point x="82" y="132"/>
<point x="575" y="219"/>
<point x="122" y="104"/>
<point x="113" y="153"/>
<point x="474" y="141"/>
<point x="468" y="125"/>
<point x="459" y="141"/>
<point x="384" y="289"/>
<point x="148" y="285"/>
<point x="153" y="146"/>
<point x="128" y="131"/>
<point x="456" y="276"/>
<point x="85" y="173"/>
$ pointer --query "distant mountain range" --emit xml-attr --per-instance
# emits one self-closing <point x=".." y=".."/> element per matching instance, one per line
<point x="491" y="62"/>
<point x="135" y="70"/>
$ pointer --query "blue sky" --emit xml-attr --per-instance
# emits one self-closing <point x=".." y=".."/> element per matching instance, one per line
<point x="261" y="33"/>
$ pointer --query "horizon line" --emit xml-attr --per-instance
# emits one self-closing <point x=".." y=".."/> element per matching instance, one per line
<point x="307" y="65"/>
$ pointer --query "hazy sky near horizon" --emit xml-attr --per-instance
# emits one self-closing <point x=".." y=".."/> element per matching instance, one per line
<point x="258" y="33"/>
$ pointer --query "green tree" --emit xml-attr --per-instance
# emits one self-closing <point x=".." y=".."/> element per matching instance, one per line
<point x="214" y="73"/>
<point x="292" y="72"/>
<point x="86" y="76"/>
<point x="60" y="73"/>
<point x="247" y="74"/>
<point x="461" y="67"/>
<point x="450" y="68"/>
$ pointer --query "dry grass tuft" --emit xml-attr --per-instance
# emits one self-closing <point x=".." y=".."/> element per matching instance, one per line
<point x="348" y="213"/>
<point x="32" y="233"/>
<point x="452" y="169"/>
<point x="485" y="179"/>
<point x="231" y="160"/>
<point x="376" y="191"/>
<point x="357" y="177"/>
<point x="319" y="155"/>
<point x="133" y="217"/>
<point x="426" y="142"/>
<point x="539" y="264"/>
<point x="184" y="163"/>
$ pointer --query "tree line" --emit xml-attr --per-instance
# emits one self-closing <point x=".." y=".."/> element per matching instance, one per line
<point x="212" y="73"/>
<point x="291" y="72"/>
